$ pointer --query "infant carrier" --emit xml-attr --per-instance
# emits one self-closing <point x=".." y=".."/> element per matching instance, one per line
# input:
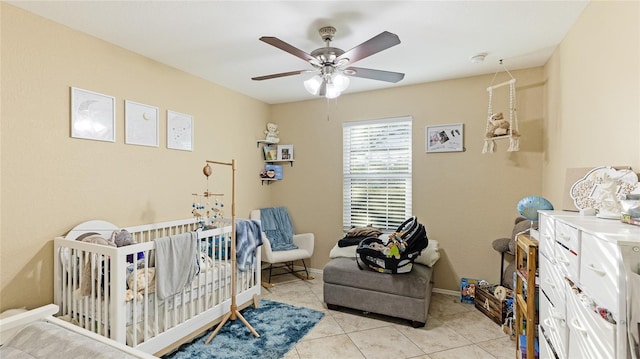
<point x="395" y="254"/>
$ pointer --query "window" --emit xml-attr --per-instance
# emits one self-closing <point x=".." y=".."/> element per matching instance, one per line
<point x="377" y="172"/>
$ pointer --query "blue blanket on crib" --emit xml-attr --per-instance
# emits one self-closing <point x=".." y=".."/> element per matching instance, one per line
<point x="248" y="238"/>
<point x="276" y="224"/>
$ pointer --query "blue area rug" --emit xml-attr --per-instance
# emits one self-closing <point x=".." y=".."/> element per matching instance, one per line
<point x="280" y="327"/>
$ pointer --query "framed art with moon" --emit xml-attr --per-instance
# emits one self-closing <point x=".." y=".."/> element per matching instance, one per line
<point x="141" y="124"/>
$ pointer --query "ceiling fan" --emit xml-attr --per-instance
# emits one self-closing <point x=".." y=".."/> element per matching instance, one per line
<point x="332" y="64"/>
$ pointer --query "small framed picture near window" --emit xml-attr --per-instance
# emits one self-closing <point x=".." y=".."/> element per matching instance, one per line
<point x="285" y="153"/>
<point x="141" y="124"/>
<point x="93" y="115"/>
<point x="179" y="131"/>
<point x="444" y="138"/>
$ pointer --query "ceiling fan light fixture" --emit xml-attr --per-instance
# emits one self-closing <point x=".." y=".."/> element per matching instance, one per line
<point x="331" y="92"/>
<point x="313" y="84"/>
<point x="340" y="82"/>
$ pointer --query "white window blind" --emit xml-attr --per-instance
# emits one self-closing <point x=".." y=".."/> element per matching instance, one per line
<point x="377" y="172"/>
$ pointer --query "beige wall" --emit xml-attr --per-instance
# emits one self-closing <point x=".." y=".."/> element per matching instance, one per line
<point x="51" y="182"/>
<point x="592" y="115"/>
<point x="466" y="200"/>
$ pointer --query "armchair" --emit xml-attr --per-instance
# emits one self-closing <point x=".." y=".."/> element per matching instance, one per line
<point x="285" y="259"/>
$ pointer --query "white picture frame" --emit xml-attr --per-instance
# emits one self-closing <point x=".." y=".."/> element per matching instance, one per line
<point x="444" y="138"/>
<point x="285" y="153"/>
<point x="179" y="131"/>
<point x="93" y="115"/>
<point x="141" y="124"/>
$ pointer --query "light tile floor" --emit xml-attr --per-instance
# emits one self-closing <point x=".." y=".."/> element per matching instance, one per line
<point x="453" y="330"/>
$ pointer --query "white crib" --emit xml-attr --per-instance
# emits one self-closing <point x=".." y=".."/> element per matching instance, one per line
<point x="146" y="322"/>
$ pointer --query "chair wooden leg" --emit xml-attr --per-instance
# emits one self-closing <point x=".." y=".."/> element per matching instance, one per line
<point x="501" y="267"/>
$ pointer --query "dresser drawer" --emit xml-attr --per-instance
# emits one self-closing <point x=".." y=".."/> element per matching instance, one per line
<point x="599" y="271"/>
<point x="555" y="327"/>
<point x="545" y="349"/>
<point x="552" y="283"/>
<point x="546" y="227"/>
<point x="567" y="249"/>
<point x="590" y="336"/>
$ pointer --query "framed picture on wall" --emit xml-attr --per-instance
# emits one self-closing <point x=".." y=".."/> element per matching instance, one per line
<point x="285" y="153"/>
<point x="179" y="131"/>
<point x="141" y="124"/>
<point x="444" y="138"/>
<point x="93" y="115"/>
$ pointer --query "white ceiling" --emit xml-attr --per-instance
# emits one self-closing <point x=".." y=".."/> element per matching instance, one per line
<point x="218" y="40"/>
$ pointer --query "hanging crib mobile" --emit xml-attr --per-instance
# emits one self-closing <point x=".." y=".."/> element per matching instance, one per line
<point x="208" y="215"/>
<point x="497" y="126"/>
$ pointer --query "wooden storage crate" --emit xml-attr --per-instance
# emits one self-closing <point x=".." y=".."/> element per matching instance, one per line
<point x="488" y="304"/>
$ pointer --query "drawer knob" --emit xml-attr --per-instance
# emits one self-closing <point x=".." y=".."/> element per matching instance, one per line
<point x="596" y="270"/>
<point x="576" y="326"/>
<point x="549" y="324"/>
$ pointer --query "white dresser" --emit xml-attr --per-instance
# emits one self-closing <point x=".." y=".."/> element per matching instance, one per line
<point x="588" y="267"/>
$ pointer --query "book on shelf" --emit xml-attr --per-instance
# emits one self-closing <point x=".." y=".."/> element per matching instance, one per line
<point x="273" y="171"/>
<point x="270" y="153"/>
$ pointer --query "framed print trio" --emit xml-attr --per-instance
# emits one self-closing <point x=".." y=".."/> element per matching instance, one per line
<point x="93" y="117"/>
<point x="444" y="138"/>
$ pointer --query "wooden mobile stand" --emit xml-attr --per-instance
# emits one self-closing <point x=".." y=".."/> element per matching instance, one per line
<point x="233" y="311"/>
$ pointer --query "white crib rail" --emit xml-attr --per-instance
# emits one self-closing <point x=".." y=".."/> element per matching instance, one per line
<point x="150" y="323"/>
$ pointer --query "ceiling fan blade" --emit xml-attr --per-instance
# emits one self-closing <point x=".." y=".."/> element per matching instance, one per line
<point x="282" y="74"/>
<point x="274" y="41"/>
<point x="388" y="76"/>
<point x="382" y="41"/>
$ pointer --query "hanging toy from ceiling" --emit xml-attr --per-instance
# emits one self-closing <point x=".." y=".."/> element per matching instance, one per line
<point x="497" y="126"/>
<point x="208" y="215"/>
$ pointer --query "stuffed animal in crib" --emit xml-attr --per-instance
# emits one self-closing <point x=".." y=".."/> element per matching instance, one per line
<point x="97" y="265"/>
<point x="272" y="133"/>
<point x="144" y="278"/>
<point x="206" y="262"/>
<point x="122" y="238"/>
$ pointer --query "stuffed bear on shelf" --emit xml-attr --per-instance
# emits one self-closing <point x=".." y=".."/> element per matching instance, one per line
<point x="272" y="133"/>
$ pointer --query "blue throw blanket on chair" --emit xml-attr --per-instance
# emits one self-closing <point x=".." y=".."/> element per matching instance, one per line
<point x="248" y="238"/>
<point x="276" y="224"/>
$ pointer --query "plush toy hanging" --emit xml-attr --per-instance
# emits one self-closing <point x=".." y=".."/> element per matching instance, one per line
<point x="497" y="126"/>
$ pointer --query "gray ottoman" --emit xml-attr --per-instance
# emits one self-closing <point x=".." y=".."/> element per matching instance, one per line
<point x="404" y="296"/>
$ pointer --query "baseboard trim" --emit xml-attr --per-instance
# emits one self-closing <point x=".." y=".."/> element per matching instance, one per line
<point x="446" y="291"/>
